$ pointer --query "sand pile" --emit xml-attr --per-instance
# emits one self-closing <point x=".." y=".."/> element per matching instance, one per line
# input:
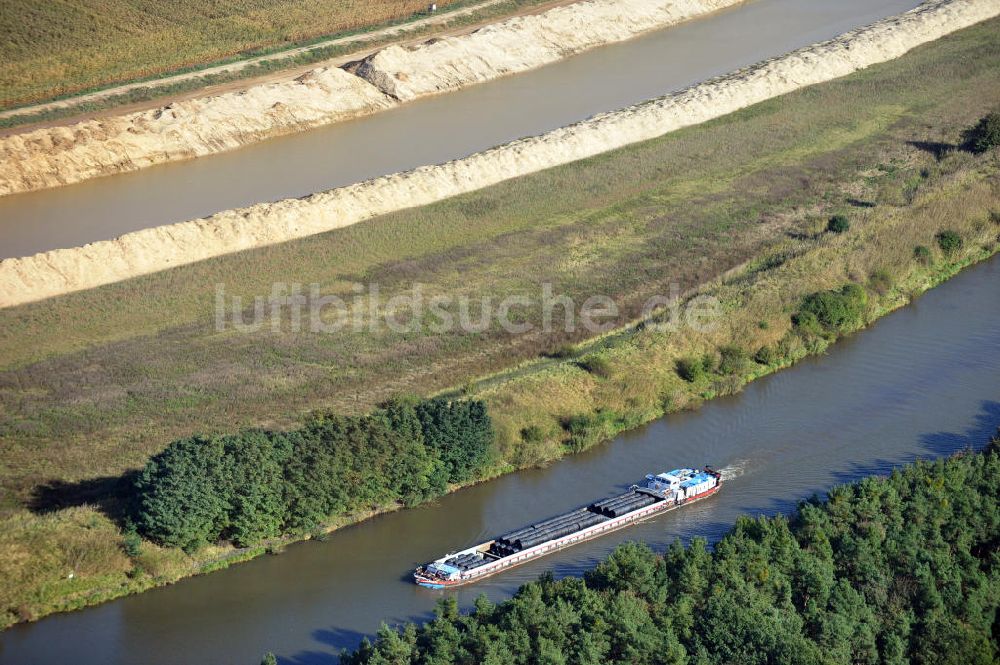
<point x="62" y="155"/>
<point x="521" y="43"/>
<point x="149" y="250"/>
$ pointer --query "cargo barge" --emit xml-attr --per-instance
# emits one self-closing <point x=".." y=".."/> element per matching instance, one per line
<point x="657" y="494"/>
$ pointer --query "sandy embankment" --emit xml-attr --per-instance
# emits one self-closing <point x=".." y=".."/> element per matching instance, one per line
<point x="62" y="155"/>
<point x="520" y="44"/>
<point x="150" y="250"/>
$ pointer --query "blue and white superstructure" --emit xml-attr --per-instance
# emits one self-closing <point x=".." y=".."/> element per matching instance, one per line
<point x="658" y="493"/>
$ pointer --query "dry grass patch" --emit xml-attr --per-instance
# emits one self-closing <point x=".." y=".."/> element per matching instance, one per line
<point x="54" y="48"/>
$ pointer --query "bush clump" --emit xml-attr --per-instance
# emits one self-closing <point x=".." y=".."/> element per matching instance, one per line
<point x="532" y="434"/>
<point x="580" y="428"/>
<point x="767" y="355"/>
<point x="831" y="312"/>
<point x="807" y="325"/>
<point x="838" y="224"/>
<point x="984" y="135"/>
<point x="586" y="430"/>
<point x="732" y="360"/>
<point x="131" y="542"/>
<point x="923" y="254"/>
<point x="949" y="241"/>
<point x="690" y="369"/>
<point x="694" y="368"/>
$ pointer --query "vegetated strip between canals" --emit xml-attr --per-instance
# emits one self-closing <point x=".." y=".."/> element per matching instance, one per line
<point x="428" y="131"/>
<point x="919" y="383"/>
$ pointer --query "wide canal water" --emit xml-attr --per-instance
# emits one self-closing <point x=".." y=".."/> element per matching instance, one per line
<point x="431" y="130"/>
<point x="922" y="382"/>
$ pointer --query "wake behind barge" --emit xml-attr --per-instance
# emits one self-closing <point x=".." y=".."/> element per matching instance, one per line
<point x="657" y="494"/>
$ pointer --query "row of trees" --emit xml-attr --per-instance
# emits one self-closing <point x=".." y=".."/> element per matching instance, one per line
<point x="904" y="569"/>
<point x="259" y="484"/>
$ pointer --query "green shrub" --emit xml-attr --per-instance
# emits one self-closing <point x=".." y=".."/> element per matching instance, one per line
<point x="732" y="360"/>
<point x="984" y="135"/>
<point x="691" y="369"/>
<point x="831" y="312"/>
<point x="807" y="324"/>
<point x="792" y="346"/>
<point x="709" y="362"/>
<point x="532" y="434"/>
<point x="949" y="241"/>
<point x="131" y="542"/>
<point x="838" y="224"/>
<point x="923" y="254"/>
<point x="577" y="423"/>
<point x="585" y="429"/>
<point x="767" y="355"/>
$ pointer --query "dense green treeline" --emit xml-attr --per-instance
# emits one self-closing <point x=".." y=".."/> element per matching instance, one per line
<point x="904" y="569"/>
<point x="260" y="484"/>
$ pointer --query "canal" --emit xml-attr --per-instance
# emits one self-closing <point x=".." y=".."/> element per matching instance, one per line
<point x="921" y="383"/>
<point x="431" y="130"/>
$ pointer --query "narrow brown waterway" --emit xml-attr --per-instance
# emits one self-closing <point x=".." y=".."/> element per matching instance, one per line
<point x="431" y="130"/>
<point x="923" y="382"/>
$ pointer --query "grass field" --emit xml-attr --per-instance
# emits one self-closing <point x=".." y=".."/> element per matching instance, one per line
<point x="53" y="48"/>
<point x="255" y="63"/>
<point x="94" y="382"/>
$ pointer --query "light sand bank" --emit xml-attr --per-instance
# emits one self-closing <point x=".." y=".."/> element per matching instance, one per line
<point x="55" y="156"/>
<point x="520" y="44"/>
<point x="150" y="250"/>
